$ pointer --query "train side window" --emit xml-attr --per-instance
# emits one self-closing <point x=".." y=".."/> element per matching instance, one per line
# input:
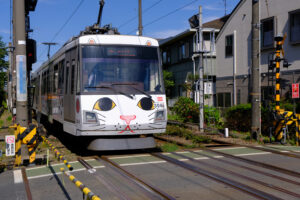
<point x="48" y="81"/>
<point x="67" y="78"/>
<point x="73" y="77"/>
<point x="55" y="79"/>
<point x="61" y="76"/>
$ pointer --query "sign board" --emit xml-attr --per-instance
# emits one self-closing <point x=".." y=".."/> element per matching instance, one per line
<point x="208" y="88"/>
<point x="10" y="145"/>
<point x="295" y="90"/>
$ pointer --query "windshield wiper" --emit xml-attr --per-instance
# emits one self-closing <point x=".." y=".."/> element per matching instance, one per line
<point x="113" y="89"/>
<point x="131" y="85"/>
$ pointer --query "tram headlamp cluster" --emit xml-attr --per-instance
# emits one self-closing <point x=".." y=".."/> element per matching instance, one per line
<point x="160" y="115"/>
<point x="90" y="118"/>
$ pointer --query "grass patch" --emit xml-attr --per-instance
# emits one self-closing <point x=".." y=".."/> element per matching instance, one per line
<point x="169" y="147"/>
<point x="173" y="130"/>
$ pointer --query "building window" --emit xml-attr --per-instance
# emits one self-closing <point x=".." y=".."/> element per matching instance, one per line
<point x="238" y="96"/>
<point x="224" y="99"/>
<point x="295" y="26"/>
<point x="228" y="45"/>
<point x="267" y="33"/>
<point x="164" y="57"/>
<point x="181" y="52"/>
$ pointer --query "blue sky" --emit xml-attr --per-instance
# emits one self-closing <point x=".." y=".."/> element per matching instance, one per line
<point x="50" y="16"/>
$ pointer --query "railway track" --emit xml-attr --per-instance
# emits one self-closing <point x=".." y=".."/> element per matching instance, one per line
<point x="229" y="182"/>
<point x="147" y="189"/>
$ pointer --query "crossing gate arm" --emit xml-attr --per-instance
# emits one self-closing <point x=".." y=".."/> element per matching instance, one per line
<point x="86" y="191"/>
<point x="58" y="155"/>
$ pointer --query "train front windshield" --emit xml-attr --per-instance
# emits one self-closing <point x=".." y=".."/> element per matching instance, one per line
<point x="113" y="65"/>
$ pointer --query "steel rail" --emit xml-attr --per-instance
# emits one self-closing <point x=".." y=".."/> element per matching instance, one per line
<point x="237" y="185"/>
<point x="26" y="184"/>
<point x="247" y="168"/>
<point x="255" y="163"/>
<point x="261" y="149"/>
<point x="111" y="187"/>
<point x="230" y="172"/>
<point x="145" y="186"/>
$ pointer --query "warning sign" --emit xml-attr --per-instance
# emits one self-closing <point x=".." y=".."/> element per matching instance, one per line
<point x="10" y="145"/>
<point x="295" y="90"/>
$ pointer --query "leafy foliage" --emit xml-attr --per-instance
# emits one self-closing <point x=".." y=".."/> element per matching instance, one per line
<point x="168" y="79"/>
<point x="187" y="109"/>
<point x="3" y="67"/>
<point x="239" y="117"/>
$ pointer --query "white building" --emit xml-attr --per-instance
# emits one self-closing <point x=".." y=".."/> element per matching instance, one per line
<point x="234" y="49"/>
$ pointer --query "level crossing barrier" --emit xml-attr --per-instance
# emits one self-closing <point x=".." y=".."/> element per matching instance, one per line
<point x="27" y="136"/>
<point x="58" y="155"/>
<point x="88" y="194"/>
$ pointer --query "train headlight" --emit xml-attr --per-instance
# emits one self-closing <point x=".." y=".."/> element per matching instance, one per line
<point x="90" y="118"/>
<point x="160" y="115"/>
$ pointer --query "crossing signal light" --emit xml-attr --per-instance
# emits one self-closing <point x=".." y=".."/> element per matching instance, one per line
<point x="30" y="51"/>
<point x="30" y="5"/>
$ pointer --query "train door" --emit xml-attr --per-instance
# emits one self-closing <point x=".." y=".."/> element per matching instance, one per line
<point x="69" y="95"/>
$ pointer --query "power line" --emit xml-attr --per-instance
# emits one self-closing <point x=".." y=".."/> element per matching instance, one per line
<point x="170" y="13"/>
<point x="144" y="11"/>
<point x="63" y="26"/>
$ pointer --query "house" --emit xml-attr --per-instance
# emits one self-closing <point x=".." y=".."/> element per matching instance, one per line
<point x="178" y="56"/>
<point x="233" y="45"/>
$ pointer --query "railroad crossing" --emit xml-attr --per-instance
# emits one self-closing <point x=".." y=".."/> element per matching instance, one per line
<point x="232" y="172"/>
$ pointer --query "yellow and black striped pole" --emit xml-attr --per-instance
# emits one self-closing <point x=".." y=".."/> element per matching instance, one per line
<point x="18" y="144"/>
<point x="57" y="153"/>
<point x="29" y="137"/>
<point x="279" y="41"/>
<point x="86" y="191"/>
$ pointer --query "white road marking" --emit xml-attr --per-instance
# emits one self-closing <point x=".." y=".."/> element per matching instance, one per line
<point x="143" y="163"/>
<point x="251" y="154"/>
<point x="57" y="173"/>
<point x="225" y="148"/>
<point x="56" y="165"/>
<point x="136" y="156"/>
<point x="18" y="176"/>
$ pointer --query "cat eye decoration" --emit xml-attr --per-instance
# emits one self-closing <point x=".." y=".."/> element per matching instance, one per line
<point x="104" y="104"/>
<point x="146" y="104"/>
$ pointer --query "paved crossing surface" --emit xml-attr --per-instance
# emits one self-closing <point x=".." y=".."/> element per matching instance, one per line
<point x="49" y="183"/>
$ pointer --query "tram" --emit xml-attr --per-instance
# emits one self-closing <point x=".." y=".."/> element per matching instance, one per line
<point x="107" y="87"/>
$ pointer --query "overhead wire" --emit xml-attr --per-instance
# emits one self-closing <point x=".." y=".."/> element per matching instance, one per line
<point x="144" y="11"/>
<point x="63" y="26"/>
<point x="166" y="15"/>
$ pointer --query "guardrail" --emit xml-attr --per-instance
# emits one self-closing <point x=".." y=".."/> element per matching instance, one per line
<point x="86" y="191"/>
<point x="57" y="153"/>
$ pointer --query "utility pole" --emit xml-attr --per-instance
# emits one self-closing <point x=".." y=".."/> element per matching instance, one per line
<point x="255" y="90"/>
<point x="20" y="56"/>
<point x="201" y="86"/>
<point x="140" y="18"/>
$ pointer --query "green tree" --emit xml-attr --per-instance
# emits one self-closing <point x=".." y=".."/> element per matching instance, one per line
<point x="3" y="68"/>
<point x="168" y="79"/>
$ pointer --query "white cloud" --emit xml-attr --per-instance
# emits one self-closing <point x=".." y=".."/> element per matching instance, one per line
<point x="4" y="31"/>
<point x="210" y="18"/>
<point x="212" y="8"/>
<point x="166" y="33"/>
<point x="191" y="7"/>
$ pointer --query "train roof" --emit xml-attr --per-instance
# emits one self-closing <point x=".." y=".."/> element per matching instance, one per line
<point x="101" y="39"/>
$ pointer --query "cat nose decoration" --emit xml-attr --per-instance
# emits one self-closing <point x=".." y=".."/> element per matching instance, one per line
<point x="127" y="119"/>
